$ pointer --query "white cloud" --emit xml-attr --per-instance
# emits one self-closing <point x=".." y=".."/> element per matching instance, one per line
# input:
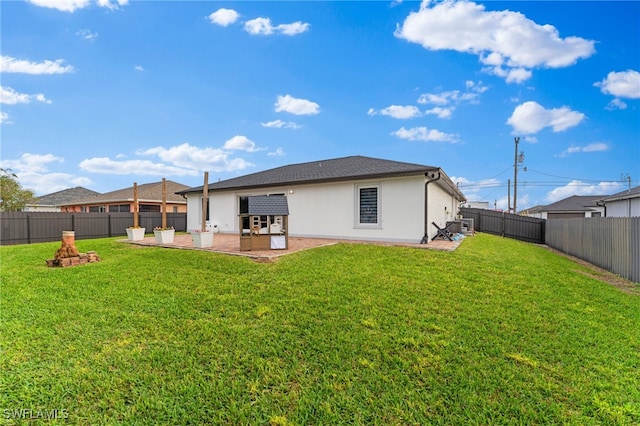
<point x="507" y="43"/>
<point x="4" y="118"/>
<point x="108" y="166"/>
<point x="530" y="117"/>
<point x="446" y="101"/>
<point x="592" y="147"/>
<point x="240" y="143"/>
<point x="293" y="28"/>
<point x="109" y="4"/>
<point x="263" y="26"/>
<point x="139" y="68"/>
<point x="33" y="173"/>
<point x="625" y="84"/>
<point x="441" y="112"/>
<point x="12" y="65"/>
<point x="32" y="163"/>
<point x="87" y="34"/>
<point x="296" y="106"/>
<point x="113" y="5"/>
<point x="279" y="124"/>
<point x="9" y="96"/>
<point x="616" y="104"/>
<point x="194" y="160"/>
<point x="62" y="5"/>
<point x="224" y="17"/>
<point x="73" y="5"/>
<point x="424" y="134"/>
<point x="402" y="112"/>
<point x="475" y="87"/>
<point x="577" y="187"/>
<point x="277" y="153"/>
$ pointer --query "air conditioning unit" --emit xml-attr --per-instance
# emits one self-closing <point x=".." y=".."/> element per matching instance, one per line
<point x="467" y="225"/>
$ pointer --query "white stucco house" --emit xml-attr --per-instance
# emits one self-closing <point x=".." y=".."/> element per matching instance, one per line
<point x="355" y="197"/>
<point x="623" y="204"/>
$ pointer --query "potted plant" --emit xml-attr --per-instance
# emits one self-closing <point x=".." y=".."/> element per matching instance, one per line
<point x="135" y="233"/>
<point x="202" y="238"/>
<point x="164" y="235"/>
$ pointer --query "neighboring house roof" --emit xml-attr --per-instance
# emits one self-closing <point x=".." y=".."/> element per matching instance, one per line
<point x="268" y="205"/>
<point x="575" y="203"/>
<point x="63" y="197"/>
<point x="533" y="210"/>
<point x="148" y="192"/>
<point x="623" y="195"/>
<point x="332" y="170"/>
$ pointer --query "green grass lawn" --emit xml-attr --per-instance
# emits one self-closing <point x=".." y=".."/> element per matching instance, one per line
<point x="497" y="332"/>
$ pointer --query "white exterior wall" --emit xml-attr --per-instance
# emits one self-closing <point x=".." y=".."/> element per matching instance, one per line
<point x="442" y="207"/>
<point x="624" y="208"/>
<point x="594" y="213"/>
<point x="329" y="210"/>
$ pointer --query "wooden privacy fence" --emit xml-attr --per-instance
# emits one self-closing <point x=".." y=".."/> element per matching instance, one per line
<point x="39" y="227"/>
<point x="509" y="225"/>
<point x="611" y="243"/>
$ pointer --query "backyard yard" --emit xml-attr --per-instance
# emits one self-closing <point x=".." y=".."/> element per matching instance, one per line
<point x="495" y="332"/>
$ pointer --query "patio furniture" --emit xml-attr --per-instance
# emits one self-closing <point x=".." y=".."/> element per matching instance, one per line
<point x="442" y="233"/>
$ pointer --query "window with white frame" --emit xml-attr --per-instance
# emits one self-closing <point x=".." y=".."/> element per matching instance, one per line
<point x="368" y="206"/>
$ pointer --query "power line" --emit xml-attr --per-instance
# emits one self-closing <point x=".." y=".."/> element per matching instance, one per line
<point x="569" y="178"/>
<point x="489" y="185"/>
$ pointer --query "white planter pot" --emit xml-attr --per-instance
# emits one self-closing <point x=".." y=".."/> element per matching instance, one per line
<point x="164" y="237"/>
<point x="202" y="239"/>
<point x="135" y="234"/>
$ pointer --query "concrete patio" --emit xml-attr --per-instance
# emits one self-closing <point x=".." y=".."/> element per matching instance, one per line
<point x="230" y="244"/>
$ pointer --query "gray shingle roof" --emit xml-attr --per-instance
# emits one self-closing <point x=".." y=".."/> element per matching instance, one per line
<point x="268" y="205"/>
<point x="151" y="192"/>
<point x="576" y="203"/>
<point x="63" y="197"/>
<point x="338" y="169"/>
<point x="623" y="195"/>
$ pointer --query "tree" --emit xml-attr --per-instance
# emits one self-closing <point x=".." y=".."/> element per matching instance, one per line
<point x="12" y="196"/>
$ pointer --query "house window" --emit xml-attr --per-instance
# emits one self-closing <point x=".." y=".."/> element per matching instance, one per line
<point x="368" y="206"/>
<point x="244" y="205"/>
<point x="149" y="207"/>
<point x="124" y="208"/>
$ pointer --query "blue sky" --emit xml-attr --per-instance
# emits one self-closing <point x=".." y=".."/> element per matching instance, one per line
<point x="105" y="93"/>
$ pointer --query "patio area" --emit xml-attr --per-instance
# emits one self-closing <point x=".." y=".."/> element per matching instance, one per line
<point x="230" y="244"/>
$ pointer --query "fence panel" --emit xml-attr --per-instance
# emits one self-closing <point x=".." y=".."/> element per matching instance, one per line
<point x="507" y="225"/>
<point x="92" y="225"/>
<point x="611" y="243"/>
<point x="15" y="227"/>
<point x="37" y="227"/>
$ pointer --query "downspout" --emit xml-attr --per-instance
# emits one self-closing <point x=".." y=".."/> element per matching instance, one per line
<point x="431" y="176"/>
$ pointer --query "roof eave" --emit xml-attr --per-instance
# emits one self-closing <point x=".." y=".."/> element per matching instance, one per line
<point x="212" y="187"/>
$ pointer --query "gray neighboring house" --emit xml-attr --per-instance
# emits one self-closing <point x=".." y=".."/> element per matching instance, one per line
<point x="623" y="204"/>
<point x="576" y="206"/>
<point x="535" y="211"/>
<point x="53" y="202"/>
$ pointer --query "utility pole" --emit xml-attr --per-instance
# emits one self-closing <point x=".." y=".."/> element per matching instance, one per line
<point x="515" y="177"/>
<point x="518" y="158"/>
